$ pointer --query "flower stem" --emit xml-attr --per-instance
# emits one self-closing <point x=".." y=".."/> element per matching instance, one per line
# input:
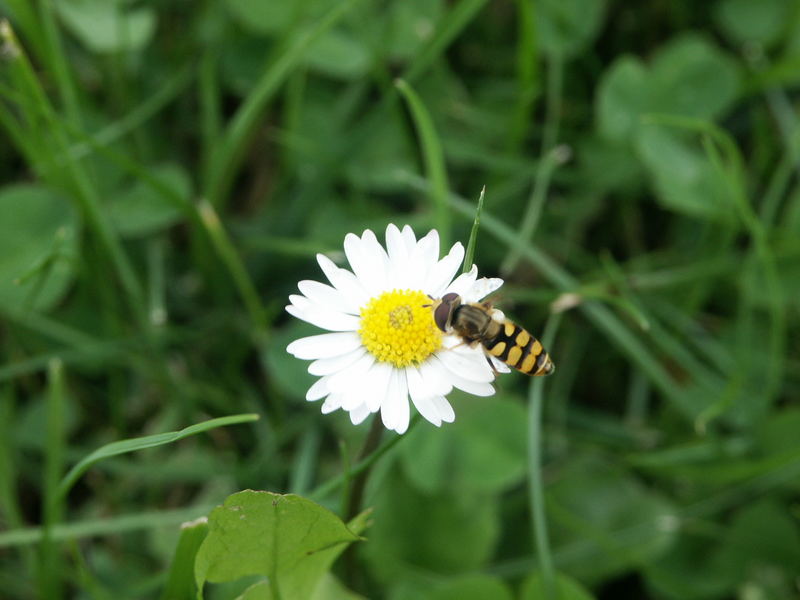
<point x="536" y="488"/>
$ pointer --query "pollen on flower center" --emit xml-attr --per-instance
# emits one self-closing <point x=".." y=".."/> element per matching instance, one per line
<point x="398" y="327"/>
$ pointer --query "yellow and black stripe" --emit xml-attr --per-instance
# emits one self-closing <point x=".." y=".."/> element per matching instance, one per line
<point x="519" y="350"/>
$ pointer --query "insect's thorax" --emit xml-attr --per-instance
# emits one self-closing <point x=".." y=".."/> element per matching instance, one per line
<point x="475" y="324"/>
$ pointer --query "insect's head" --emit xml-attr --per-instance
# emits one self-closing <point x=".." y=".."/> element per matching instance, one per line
<point x="443" y="310"/>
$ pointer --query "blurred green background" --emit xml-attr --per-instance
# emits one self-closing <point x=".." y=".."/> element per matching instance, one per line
<point x="170" y="168"/>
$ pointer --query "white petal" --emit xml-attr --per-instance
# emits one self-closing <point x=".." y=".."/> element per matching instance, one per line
<point x="326" y="319"/>
<point x="421" y="261"/>
<point x="470" y="365"/>
<point x="445" y="410"/>
<point x="357" y="415"/>
<point x="422" y="397"/>
<point x="481" y="288"/>
<point x="403" y="417"/>
<point x="499" y="365"/>
<point x="430" y="244"/>
<point x="377" y="384"/>
<point x="400" y="273"/>
<point x="325" y="295"/>
<point x="343" y="280"/>
<point x="463" y="283"/>
<point x="392" y="406"/>
<point x="365" y="266"/>
<point x="435" y="377"/>
<point x="352" y="398"/>
<point x="318" y="390"/>
<point x="395" y="246"/>
<point x="324" y="345"/>
<point x="473" y="387"/>
<point x="332" y="403"/>
<point x="408" y="238"/>
<point x="349" y="377"/>
<point x="378" y="261"/>
<point x="329" y="366"/>
<point x="440" y="277"/>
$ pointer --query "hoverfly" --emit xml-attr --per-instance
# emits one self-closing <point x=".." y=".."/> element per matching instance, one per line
<point x="500" y="337"/>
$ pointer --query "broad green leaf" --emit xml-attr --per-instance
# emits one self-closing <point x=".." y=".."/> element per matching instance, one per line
<point x="180" y="579"/>
<point x="603" y="521"/>
<point x="764" y="22"/>
<point x="533" y="588"/>
<point x="108" y="26"/>
<point x="568" y="27"/>
<point x="141" y="210"/>
<point x="452" y="532"/>
<point x="483" y="451"/>
<point x="148" y="441"/>
<point x="622" y="98"/>
<point x="288" y="539"/>
<point x="684" y="179"/>
<point x="692" y="77"/>
<point x="38" y="247"/>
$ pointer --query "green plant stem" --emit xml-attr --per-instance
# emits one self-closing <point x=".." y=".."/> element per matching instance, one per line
<point x="355" y="496"/>
<point x="323" y="490"/>
<point x="535" y="482"/>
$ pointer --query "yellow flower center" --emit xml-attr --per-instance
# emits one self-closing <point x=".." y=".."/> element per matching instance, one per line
<point x="397" y="327"/>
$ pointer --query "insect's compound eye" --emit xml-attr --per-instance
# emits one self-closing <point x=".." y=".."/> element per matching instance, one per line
<point x="441" y="314"/>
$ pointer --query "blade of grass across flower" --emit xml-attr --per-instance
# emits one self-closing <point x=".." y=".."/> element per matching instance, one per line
<point x="469" y="256"/>
<point x="148" y="441"/>
<point x="433" y="156"/>
<point x="600" y="315"/>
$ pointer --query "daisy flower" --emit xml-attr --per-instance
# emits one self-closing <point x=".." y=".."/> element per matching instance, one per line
<point x="384" y="346"/>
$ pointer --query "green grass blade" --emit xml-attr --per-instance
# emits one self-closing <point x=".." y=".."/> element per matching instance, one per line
<point x="100" y="527"/>
<point x="433" y="156"/>
<point x="469" y="256"/>
<point x="148" y="441"/>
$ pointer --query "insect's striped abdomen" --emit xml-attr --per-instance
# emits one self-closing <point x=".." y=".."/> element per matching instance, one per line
<point x="520" y="350"/>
